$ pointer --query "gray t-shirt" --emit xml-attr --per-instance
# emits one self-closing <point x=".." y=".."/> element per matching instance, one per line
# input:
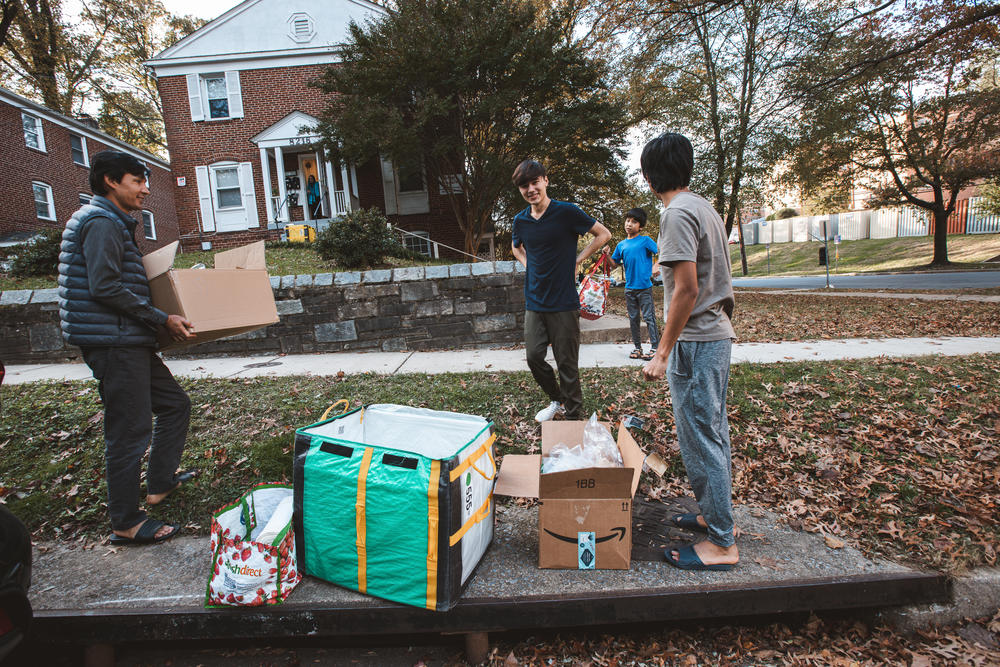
<point x="691" y="231"/>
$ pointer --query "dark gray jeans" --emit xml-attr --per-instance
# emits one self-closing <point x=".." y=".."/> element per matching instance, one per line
<point x="641" y="301"/>
<point x="135" y="385"/>
<point x="698" y="372"/>
<point x="562" y="331"/>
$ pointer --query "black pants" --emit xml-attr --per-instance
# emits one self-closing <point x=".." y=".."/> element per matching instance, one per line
<point x="135" y="385"/>
<point x="562" y="331"/>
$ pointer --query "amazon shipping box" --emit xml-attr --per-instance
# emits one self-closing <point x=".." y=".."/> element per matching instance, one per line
<point x="584" y="515"/>
<point x="233" y="298"/>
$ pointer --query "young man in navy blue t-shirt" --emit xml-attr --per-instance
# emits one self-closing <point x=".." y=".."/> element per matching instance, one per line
<point x="544" y="239"/>
<point x="636" y="254"/>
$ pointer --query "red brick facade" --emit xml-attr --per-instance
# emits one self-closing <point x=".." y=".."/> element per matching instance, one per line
<point x="268" y="95"/>
<point x="55" y="167"/>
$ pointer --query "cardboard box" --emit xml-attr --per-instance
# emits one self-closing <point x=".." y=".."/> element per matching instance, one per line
<point x="585" y="516"/>
<point x="233" y="298"/>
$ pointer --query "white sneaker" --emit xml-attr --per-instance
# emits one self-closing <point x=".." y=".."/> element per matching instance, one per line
<point x="547" y="413"/>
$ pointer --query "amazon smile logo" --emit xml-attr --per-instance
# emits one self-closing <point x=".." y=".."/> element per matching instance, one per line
<point x="617" y="532"/>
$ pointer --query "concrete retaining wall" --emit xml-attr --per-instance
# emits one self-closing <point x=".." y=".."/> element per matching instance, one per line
<point x="414" y="308"/>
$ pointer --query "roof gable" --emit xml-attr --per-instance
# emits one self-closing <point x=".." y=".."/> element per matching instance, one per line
<point x="297" y="127"/>
<point x="257" y="27"/>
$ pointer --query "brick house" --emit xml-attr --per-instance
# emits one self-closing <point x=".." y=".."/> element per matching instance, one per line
<point x="240" y="120"/>
<point x="46" y="158"/>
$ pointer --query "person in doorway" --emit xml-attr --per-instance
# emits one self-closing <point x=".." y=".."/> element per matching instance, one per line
<point x="636" y="254"/>
<point x="695" y="347"/>
<point x="105" y="310"/>
<point x="312" y="196"/>
<point x="544" y="239"/>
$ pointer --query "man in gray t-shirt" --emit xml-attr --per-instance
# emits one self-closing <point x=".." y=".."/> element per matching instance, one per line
<point x="691" y="231"/>
<point x="694" y="349"/>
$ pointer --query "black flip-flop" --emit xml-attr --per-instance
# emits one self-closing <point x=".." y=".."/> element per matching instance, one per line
<point x="146" y="534"/>
<point x="687" y="521"/>
<point x="687" y="559"/>
<point x="179" y="480"/>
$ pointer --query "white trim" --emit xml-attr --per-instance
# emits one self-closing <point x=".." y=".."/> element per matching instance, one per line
<point x="39" y="131"/>
<point x="265" y="171"/>
<point x="194" y="97"/>
<point x="327" y="55"/>
<point x="48" y="195"/>
<point x="85" y="198"/>
<point x="209" y="27"/>
<point x="152" y="224"/>
<point x="282" y="214"/>
<point x="205" y="198"/>
<point x="234" y="93"/>
<point x="33" y="109"/>
<point x="83" y="149"/>
<point x="249" y="195"/>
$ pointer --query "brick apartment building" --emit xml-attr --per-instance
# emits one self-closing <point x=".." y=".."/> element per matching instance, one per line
<point x="46" y="167"/>
<point x="240" y="117"/>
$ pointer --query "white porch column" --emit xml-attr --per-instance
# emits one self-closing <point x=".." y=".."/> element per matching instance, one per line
<point x="265" y="170"/>
<point x="331" y="183"/>
<point x="279" y="161"/>
<point x="347" y="191"/>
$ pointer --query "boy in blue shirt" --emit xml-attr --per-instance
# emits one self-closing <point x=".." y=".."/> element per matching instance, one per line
<point x="636" y="254"/>
<point x="544" y="239"/>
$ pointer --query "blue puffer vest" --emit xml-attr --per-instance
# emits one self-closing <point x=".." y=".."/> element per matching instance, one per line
<point x="86" y="321"/>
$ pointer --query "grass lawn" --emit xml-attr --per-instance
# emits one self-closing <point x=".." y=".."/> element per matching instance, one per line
<point x="967" y="251"/>
<point x="898" y="457"/>
<point x="764" y="317"/>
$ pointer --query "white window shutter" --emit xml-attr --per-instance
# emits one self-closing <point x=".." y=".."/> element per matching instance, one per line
<point x="247" y="192"/>
<point x="194" y="97"/>
<point x="389" y="187"/>
<point x="235" y="94"/>
<point x="205" y="199"/>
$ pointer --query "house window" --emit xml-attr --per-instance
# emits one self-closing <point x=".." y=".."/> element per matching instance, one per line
<point x="227" y="187"/>
<point x="418" y="242"/>
<point x="44" y="208"/>
<point x="411" y="178"/>
<point x="218" y="99"/>
<point x="33" y="135"/>
<point x="85" y="198"/>
<point x="78" y="146"/>
<point x="148" y="228"/>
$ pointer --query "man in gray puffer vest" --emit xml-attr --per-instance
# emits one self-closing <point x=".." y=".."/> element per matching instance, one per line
<point x="104" y="309"/>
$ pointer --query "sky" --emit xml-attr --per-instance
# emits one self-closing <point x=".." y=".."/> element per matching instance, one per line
<point x="206" y="9"/>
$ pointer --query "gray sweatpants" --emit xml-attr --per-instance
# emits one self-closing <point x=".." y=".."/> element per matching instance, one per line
<point x="698" y="372"/>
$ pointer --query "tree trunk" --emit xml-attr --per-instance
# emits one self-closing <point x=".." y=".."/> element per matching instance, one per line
<point x="940" y="237"/>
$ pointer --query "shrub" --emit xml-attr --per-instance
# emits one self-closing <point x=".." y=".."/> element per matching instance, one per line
<point x="358" y="239"/>
<point x="782" y="214"/>
<point x="39" y="256"/>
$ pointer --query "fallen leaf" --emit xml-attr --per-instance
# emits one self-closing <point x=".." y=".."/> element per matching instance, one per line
<point x="833" y="542"/>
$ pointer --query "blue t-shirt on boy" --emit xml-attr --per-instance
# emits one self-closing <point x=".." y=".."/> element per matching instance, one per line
<point x="637" y="256"/>
<point x="550" y="248"/>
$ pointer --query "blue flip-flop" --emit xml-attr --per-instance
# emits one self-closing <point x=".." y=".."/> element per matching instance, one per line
<point x="687" y="521"/>
<point x="687" y="559"/>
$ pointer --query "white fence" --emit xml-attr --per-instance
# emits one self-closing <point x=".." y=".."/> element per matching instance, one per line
<point x="884" y="223"/>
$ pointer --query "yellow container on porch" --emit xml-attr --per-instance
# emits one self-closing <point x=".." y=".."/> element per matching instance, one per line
<point x="300" y="233"/>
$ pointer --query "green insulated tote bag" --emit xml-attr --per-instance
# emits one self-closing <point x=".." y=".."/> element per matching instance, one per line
<point x="395" y="501"/>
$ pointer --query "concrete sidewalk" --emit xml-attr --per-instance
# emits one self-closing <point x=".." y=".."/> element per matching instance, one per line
<point x="595" y="355"/>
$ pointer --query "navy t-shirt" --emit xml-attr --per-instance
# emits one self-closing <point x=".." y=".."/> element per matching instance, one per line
<point x="550" y="246"/>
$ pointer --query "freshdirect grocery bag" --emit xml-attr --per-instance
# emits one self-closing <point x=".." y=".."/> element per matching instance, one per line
<point x="253" y="550"/>
<point x="594" y="291"/>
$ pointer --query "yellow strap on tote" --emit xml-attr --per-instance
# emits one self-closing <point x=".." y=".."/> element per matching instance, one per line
<point x="359" y="517"/>
<point x="471" y="461"/>
<point x="347" y="405"/>
<point x="481" y="513"/>
<point x="432" y="534"/>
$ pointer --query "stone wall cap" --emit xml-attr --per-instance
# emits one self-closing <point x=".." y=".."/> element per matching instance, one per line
<point x="45" y="295"/>
<point x="347" y="278"/>
<point x="17" y="297"/>
<point x="408" y="273"/>
<point x="377" y="276"/>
